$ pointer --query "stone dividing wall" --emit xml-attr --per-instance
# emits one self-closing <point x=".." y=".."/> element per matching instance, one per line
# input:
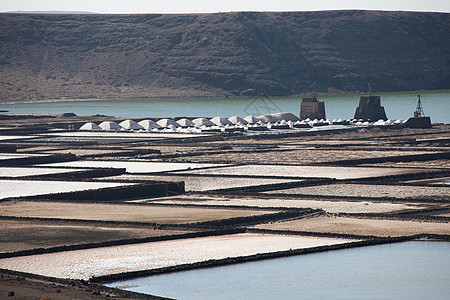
<point x="77" y="175"/>
<point x="154" y="189"/>
<point x="37" y="160"/>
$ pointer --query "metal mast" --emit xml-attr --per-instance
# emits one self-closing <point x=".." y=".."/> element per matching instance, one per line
<point x="419" y="109"/>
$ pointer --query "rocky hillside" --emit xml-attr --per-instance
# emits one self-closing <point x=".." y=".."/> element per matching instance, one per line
<point x="220" y="55"/>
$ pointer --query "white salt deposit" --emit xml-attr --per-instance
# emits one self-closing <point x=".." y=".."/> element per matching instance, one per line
<point x="149" y="124"/>
<point x="130" y="125"/>
<point x="83" y="264"/>
<point x="90" y="126"/>
<point x="20" y="188"/>
<point x="110" y="126"/>
<point x="167" y="123"/>
<point x="202" y="122"/>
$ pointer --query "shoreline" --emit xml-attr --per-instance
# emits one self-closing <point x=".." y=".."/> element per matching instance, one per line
<point x="325" y="95"/>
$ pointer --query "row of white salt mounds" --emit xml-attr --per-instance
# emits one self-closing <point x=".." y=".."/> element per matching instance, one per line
<point x="388" y="122"/>
<point x="272" y="118"/>
<point x="267" y="120"/>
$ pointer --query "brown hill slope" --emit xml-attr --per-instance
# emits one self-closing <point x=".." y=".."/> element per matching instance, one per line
<point x="229" y="54"/>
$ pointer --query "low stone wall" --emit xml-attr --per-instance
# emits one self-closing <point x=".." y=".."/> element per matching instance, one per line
<point x="78" y="175"/>
<point x="155" y="189"/>
<point x="34" y="160"/>
<point x="247" y="221"/>
<point x="8" y="148"/>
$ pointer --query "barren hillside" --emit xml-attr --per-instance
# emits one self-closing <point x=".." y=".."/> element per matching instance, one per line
<point x="220" y="55"/>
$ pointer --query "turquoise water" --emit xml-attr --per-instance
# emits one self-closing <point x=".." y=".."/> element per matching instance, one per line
<point x="410" y="270"/>
<point x="397" y="105"/>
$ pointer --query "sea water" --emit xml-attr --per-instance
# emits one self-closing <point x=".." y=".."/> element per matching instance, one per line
<point x="398" y="106"/>
<point x="409" y="270"/>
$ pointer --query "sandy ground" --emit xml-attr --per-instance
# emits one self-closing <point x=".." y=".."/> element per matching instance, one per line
<point x="193" y="183"/>
<point x="84" y="264"/>
<point x="365" y="190"/>
<point x="26" y="235"/>
<point x="305" y="171"/>
<point x="20" y="188"/>
<point x="356" y="226"/>
<point x="117" y="212"/>
<point x="32" y="289"/>
<point x="329" y="206"/>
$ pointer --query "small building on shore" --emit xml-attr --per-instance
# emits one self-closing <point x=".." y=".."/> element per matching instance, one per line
<point x="311" y="108"/>
<point x="370" y="109"/>
<point x="419" y="120"/>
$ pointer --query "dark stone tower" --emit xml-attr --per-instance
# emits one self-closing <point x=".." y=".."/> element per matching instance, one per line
<point x="311" y="108"/>
<point x="370" y="109"/>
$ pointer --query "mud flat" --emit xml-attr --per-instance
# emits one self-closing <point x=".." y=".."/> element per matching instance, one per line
<point x="363" y="227"/>
<point x="334" y="206"/>
<point x="83" y="264"/>
<point x="121" y="212"/>
<point x="376" y="191"/>
<point x="304" y="171"/>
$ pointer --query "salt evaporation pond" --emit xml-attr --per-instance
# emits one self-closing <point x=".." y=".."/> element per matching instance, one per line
<point x="20" y="172"/>
<point x="304" y="171"/>
<point x="6" y="156"/>
<point x="329" y="206"/>
<point x="194" y="183"/>
<point x="23" y="188"/>
<point x="134" y="166"/>
<point x="83" y="264"/>
<point x="410" y="270"/>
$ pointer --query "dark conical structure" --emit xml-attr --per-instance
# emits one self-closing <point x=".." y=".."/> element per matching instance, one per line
<point x="370" y="109"/>
<point x="311" y="108"/>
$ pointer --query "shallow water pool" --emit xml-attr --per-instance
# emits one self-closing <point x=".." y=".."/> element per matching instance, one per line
<point x="410" y="270"/>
